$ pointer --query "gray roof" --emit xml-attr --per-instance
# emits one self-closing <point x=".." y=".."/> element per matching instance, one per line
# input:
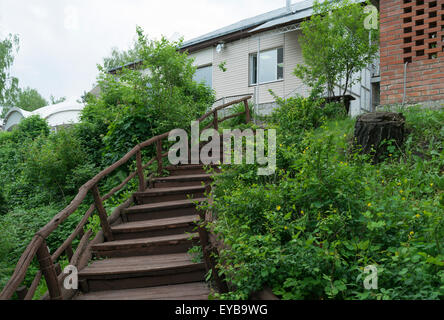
<point x="268" y="20"/>
<point x="297" y="15"/>
<point x="299" y="11"/>
<point x="251" y="22"/>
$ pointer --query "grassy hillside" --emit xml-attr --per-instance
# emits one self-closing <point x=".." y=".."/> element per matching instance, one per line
<point x="309" y="231"/>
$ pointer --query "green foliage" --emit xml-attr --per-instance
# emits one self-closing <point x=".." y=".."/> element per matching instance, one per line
<point x="119" y="58"/>
<point x="8" y="84"/>
<point x="17" y="229"/>
<point x="135" y="106"/>
<point x="238" y="121"/>
<point x="52" y="159"/>
<point x="31" y="128"/>
<point x="297" y="114"/>
<point x="3" y="203"/>
<point x="55" y="100"/>
<point x="335" y="45"/>
<point x="223" y="66"/>
<point x="29" y="99"/>
<point x="309" y="231"/>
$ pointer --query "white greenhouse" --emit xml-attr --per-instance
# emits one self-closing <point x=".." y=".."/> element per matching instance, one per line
<point x="57" y="115"/>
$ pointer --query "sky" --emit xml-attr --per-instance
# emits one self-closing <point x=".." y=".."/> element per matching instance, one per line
<point x="62" y="41"/>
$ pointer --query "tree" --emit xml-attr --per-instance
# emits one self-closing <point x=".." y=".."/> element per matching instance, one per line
<point x="335" y="45"/>
<point x="8" y="84"/>
<point x="134" y="106"/>
<point x="55" y="100"/>
<point x="120" y="58"/>
<point x="29" y="99"/>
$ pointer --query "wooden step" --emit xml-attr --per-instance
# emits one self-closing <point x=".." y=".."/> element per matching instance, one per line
<point x="182" y="180"/>
<point x="190" y="169"/>
<point x="169" y="194"/>
<point x="155" y="227"/>
<point x="141" y="272"/>
<point x="162" y="210"/>
<point x="176" y="243"/>
<point x="187" y="291"/>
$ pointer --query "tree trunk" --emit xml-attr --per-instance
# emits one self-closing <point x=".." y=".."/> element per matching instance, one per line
<point x="373" y="128"/>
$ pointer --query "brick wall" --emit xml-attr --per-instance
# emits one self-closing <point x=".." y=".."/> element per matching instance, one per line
<point x="412" y="31"/>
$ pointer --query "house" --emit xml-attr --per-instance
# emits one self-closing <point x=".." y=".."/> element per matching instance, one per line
<point x="57" y="115"/>
<point x="412" y="51"/>
<point x="410" y="68"/>
<point x="227" y="60"/>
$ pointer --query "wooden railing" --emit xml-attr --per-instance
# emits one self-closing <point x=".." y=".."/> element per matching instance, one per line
<point x="37" y="248"/>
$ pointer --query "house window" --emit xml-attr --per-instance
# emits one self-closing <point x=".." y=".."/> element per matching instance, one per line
<point x="271" y="66"/>
<point x="205" y="75"/>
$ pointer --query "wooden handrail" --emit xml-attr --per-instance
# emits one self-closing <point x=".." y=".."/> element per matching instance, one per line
<point x="102" y="214"/>
<point x="49" y="272"/>
<point x="37" y="246"/>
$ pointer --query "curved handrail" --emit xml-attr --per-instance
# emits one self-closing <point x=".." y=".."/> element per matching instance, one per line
<point x="37" y="246"/>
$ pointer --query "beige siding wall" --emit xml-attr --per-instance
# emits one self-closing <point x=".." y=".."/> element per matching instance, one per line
<point x="236" y="55"/>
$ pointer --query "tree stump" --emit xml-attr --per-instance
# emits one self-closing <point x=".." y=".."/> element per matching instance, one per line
<point x="374" y="128"/>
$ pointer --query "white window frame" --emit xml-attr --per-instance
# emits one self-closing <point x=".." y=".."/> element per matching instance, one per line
<point x="253" y="76"/>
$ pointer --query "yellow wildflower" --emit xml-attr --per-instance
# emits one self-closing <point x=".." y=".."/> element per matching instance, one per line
<point x="418" y="216"/>
<point x="278" y="208"/>
<point x="286" y="228"/>
<point x="369" y="205"/>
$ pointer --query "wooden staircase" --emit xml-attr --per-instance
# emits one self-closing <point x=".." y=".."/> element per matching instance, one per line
<point x="148" y="258"/>
<point x="145" y="252"/>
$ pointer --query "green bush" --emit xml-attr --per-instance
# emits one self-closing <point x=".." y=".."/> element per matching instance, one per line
<point x="31" y="128"/>
<point x="51" y="160"/>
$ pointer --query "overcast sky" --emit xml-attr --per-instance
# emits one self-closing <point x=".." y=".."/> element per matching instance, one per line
<point x="61" y="41"/>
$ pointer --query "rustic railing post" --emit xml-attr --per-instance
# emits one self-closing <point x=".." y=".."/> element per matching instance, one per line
<point x="215" y="120"/>
<point x="49" y="272"/>
<point x="247" y="112"/>
<point x="69" y="252"/>
<point x="159" y="156"/>
<point x="102" y="214"/>
<point x="140" y="171"/>
<point x="22" y="292"/>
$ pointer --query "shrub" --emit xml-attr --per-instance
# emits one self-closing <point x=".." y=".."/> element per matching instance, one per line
<point x="51" y="160"/>
<point x="31" y="128"/>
